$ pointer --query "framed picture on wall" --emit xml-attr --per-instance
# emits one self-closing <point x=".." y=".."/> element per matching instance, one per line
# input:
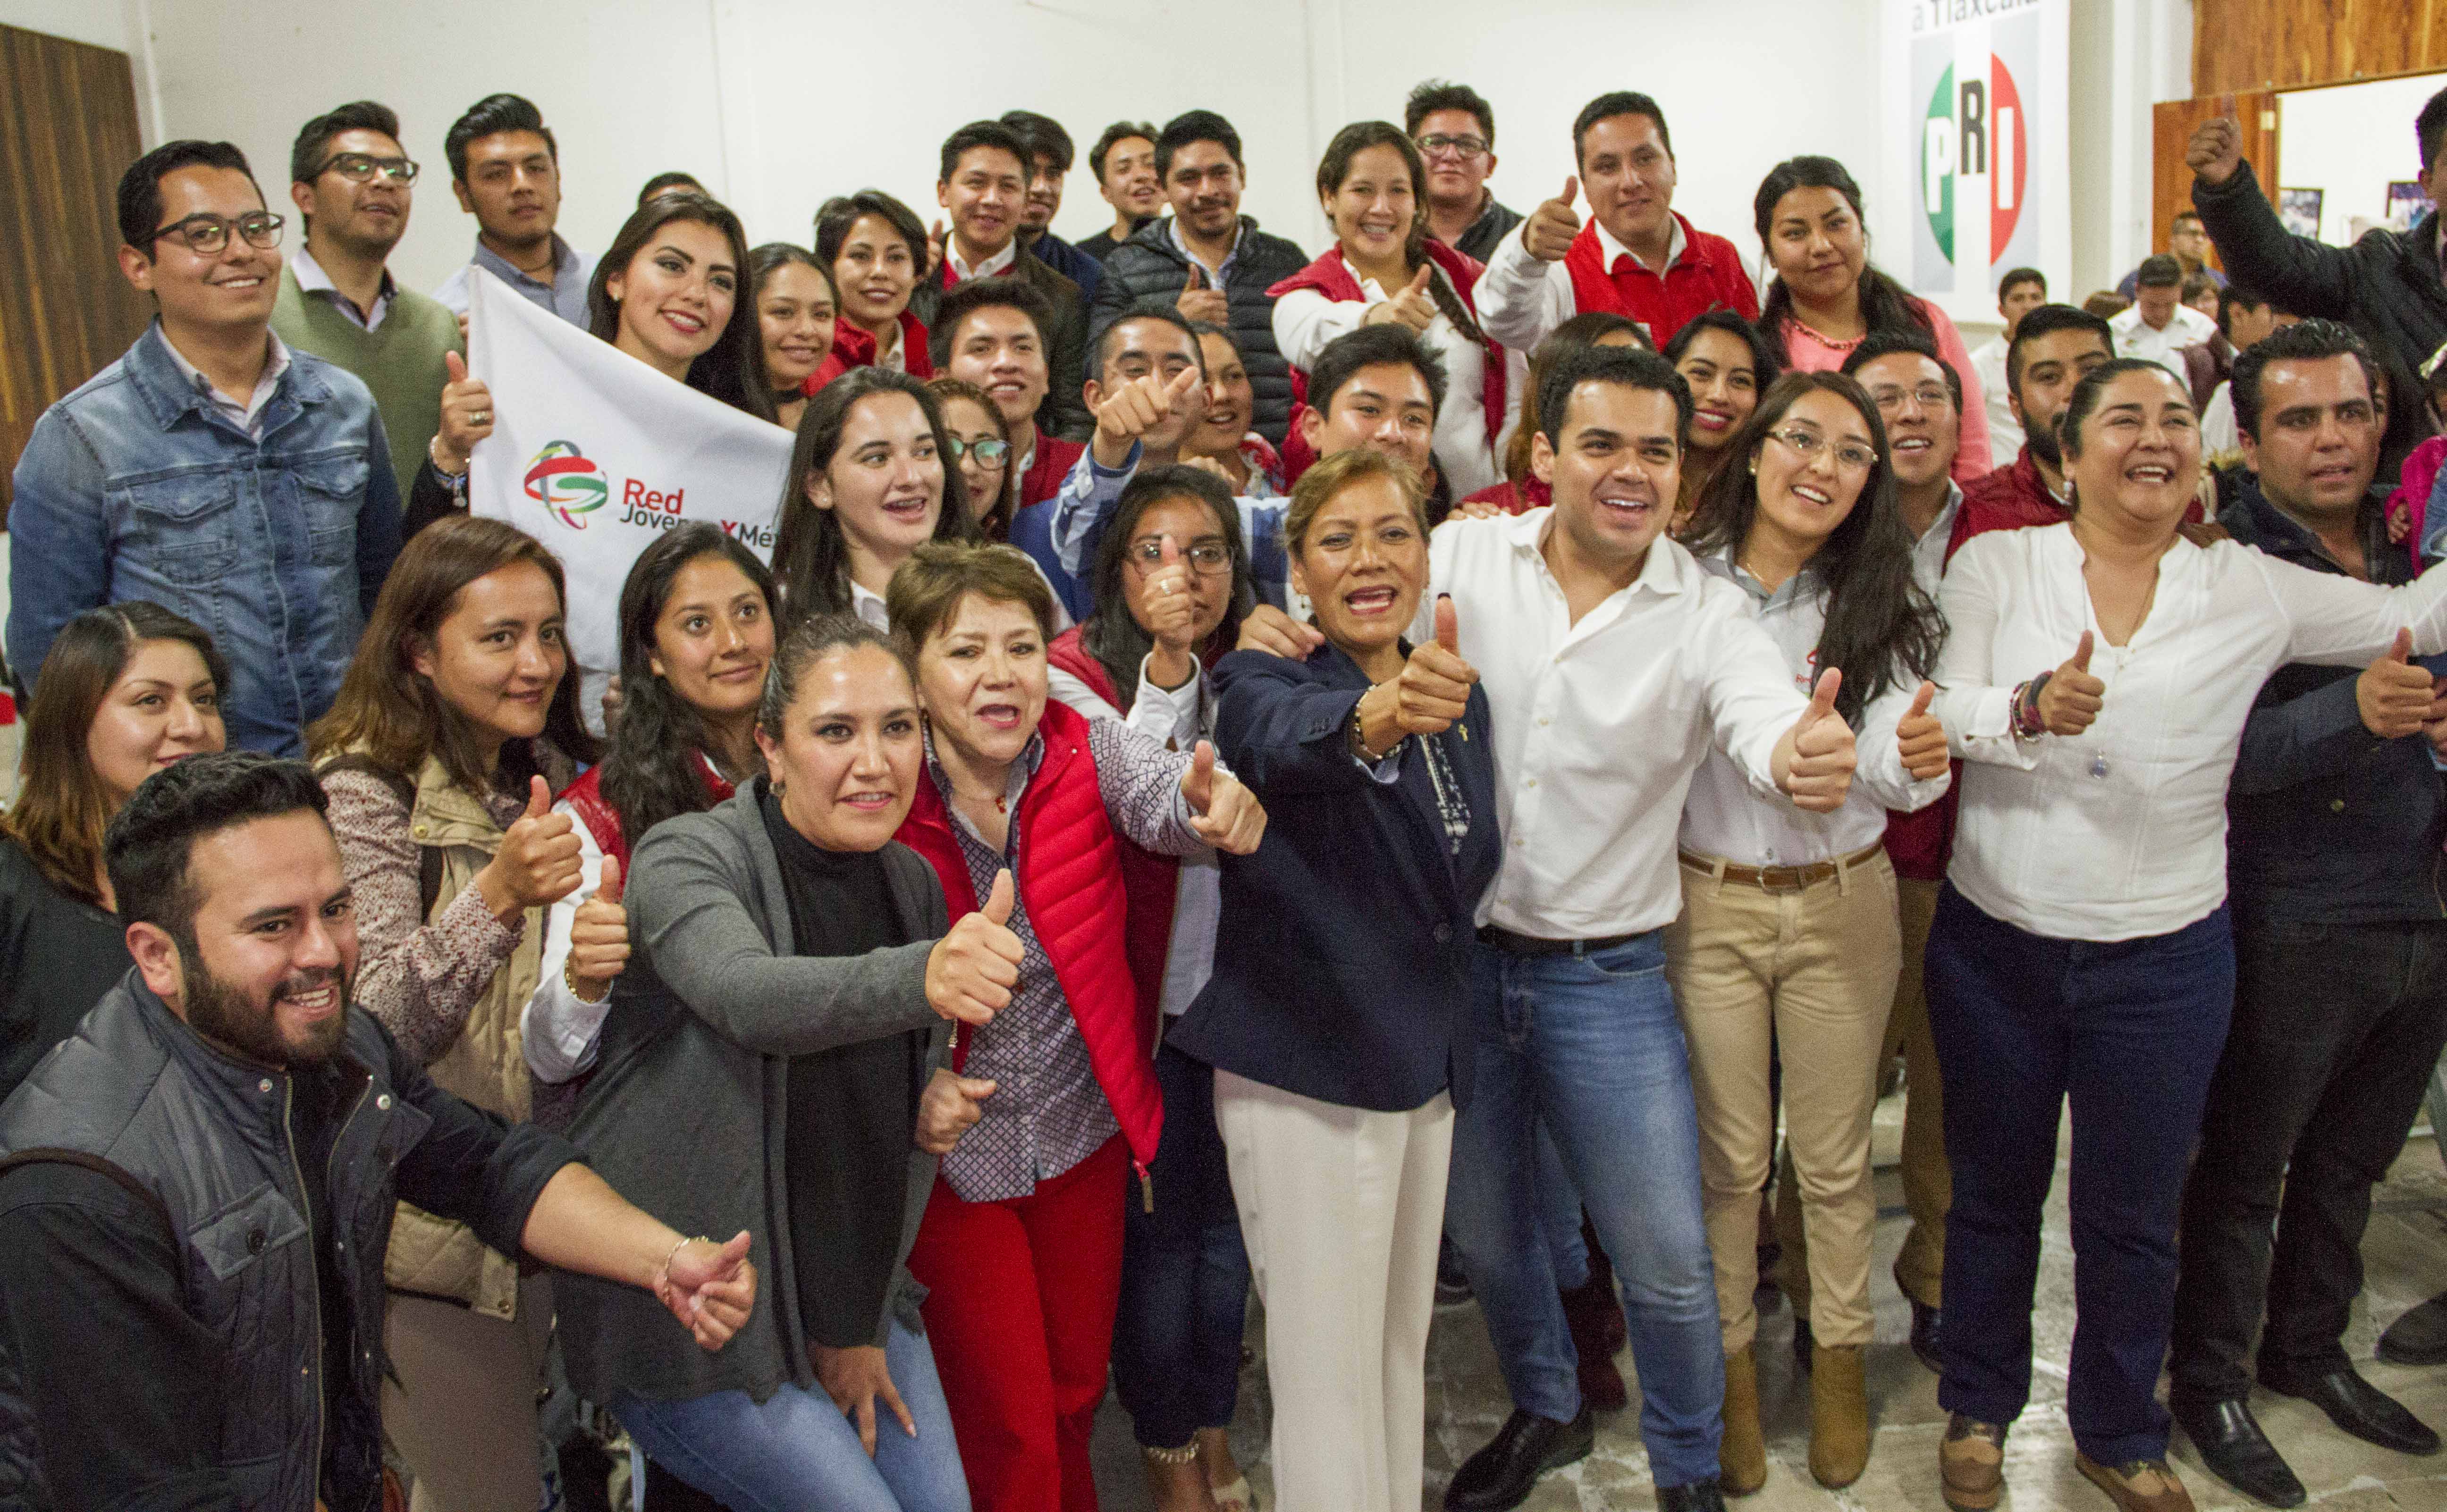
<point x="2407" y="204"/>
<point x="2298" y="210"/>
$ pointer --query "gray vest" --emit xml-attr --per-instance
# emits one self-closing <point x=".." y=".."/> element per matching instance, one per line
<point x="204" y="1139"/>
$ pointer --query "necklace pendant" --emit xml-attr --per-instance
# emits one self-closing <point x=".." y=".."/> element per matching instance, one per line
<point x="2098" y="764"/>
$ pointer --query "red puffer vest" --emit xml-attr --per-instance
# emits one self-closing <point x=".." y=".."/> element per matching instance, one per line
<point x="1707" y="277"/>
<point x="603" y="822"/>
<point x="1070" y="879"/>
<point x="1331" y="275"/>
<point x="856" y="349"/>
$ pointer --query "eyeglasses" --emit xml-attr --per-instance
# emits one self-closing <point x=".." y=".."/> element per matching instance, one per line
<point x="1928" y="396"/>
<point x="987" y="453"/>
<point x="205" y="234"/>
<point x="1807" y="445"/>
<point x="358" y="168"/>
<point x="1441" y="146"/>
<point x="1208" y="557"/>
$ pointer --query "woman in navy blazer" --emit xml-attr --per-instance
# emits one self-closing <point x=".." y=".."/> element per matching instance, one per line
<point x="1335" y="1017"/>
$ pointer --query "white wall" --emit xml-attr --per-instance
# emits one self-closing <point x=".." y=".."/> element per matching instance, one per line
<point x="103" y="23"/>
<point x="2350" y="141"/>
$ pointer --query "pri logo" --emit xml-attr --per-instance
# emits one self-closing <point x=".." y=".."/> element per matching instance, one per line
<point x="1976" y="131"/>
<point x="565" y="483"/>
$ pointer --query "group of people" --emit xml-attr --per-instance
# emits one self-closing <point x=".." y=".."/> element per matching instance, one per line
<point x="1241" y="770"/>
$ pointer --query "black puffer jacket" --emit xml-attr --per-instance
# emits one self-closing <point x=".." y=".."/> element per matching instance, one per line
<point x="1148" y="266"/>
<point x="2385" y="286"/>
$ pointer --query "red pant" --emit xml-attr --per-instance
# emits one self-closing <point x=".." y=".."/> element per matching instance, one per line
<point x="1020" y="1311"/>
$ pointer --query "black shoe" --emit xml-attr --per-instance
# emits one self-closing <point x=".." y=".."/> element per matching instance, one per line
<point x="1700" y="1496"/>
<point x="1502" y="1475"/>
<point x="2237" y="1452"/>
<point x="2419" y="1336"/>
<point x="1926" y="1320"/>
<point x="2359" y="1408"/>
<point x="1805" y="1344"/>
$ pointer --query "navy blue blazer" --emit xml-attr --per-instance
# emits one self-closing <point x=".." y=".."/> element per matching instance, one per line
<point x="1343" y="958"/>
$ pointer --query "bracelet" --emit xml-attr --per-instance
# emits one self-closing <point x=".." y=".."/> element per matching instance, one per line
<point x="569" y="979"/>
<point x="435" y="458"/>
<point x="1359" y="742"/>
<point x="664" y="1270"/>
<point x="2027" y="723"/>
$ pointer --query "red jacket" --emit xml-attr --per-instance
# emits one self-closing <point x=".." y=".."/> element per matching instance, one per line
<point x="1054" y="459"/>
<point x="603" y="822"/>
<point x="1071" y="883"/>
<point x="1516" y="499"/>
<point x="1707" y="277"/>
<point x="856" y="349"/>
<point x="1331" y="275"/>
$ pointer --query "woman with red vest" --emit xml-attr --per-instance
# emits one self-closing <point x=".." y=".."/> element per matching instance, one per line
<point x="1384" y="265"/>
<point x="697" y="634"/>
<point x="1173" y="579"/>
<point x="876" y="250"/>
<point x="1021" y="1244"/>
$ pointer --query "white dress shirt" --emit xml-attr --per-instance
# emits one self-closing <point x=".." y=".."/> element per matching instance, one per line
<point x="249" y="415"/>
<point x="1727" y="817"/>
<point x="2219" y="432"/>
<point x="1928" y="552"/>
<point x="311" y="279"/>
<point x="994" y="263"/>
<point x="2186" y="327"/>
<point x="1599" y="725"/>
<point x="2119" y="833"/>
<point x="557" y="1029"/>
<point x="2004" y="431"/>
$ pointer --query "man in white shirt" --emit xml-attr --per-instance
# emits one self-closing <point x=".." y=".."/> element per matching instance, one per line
<point x="1613" y="665"/>
<point x="2022" y="291"/>
<point x="2159" y="325"/>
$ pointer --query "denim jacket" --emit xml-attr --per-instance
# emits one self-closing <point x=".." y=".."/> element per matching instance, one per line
<point x="134" y="487"/>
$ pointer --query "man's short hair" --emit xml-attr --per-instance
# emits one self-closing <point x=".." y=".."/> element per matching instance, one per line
<point x="2234" y="297"/>
<point x="1045" y="139"/>
<point x="491" y="116"/>
<point x="2430" y="129"/>
<point x="1195" y="125"/>
<point x="2304" y="341"/>
<point x="970" y="295"/>
<point x="2161" y="270"/>
<point x="307" y="154"/>
<point x="147" y="846"/>
<point x="139" y="188"/>
<point x="1443" y="94"/>
<point x="2197" y="284"/>
<point x="2046" y="320"/>
<point x="1878" y="343"/>
<point x="1620" y="103"/>
<point x="1367" y="347"/>
<point x="1119" y="132"/>
<point x="2017" y="276"/>
<point x="673" y="180"/>
<point x="981" y="134"/>
<point x="1625" y="367"/>
<point x="1155" y="307"/>
<point x="2183" y="216"/>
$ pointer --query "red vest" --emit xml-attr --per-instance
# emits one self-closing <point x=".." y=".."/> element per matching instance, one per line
<point x="1707" y="277"/>
<point x="603" y="822"/>
<point x="1051" y="468"/>
<point x="1071" y="882"/>
<point x="1331" y="275"/>
<point x="856" y="349"/>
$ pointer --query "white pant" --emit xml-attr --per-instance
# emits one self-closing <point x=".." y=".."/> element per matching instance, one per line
<point x="1340" y="1209"/>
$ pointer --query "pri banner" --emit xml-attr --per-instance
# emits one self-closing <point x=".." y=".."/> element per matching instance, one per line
<point x="1976" y="98"/>
<point x="595" y="454"/>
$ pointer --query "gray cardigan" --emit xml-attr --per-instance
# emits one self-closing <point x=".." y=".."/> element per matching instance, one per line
<point x="687" y="1112"/>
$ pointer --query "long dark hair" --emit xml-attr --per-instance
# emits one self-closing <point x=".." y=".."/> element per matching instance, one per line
<point x="1113" y="634"/>
<point x="61" y="806"/>
<point x="810" y="555"/>
<point x="651" y="773"/>
<point x="1881" y="628"/>
<point x="733" y="369"/>
<point x="1886" y="305"/>
<point x="1335" y="166"/>
<point x="1587" y="329"/>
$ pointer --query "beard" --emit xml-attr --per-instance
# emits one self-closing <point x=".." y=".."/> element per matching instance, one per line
<point x="2043" y="442"/>
<point x="229" y="1017"/>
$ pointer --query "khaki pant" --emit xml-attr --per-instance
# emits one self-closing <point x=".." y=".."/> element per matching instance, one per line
<point x="461" y="1412"/>
<point x="1928" y="1182"/>
<point x="1813" y="970"/>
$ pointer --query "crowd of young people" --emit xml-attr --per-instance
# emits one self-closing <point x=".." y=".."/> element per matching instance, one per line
<point x="1241" y="770"/>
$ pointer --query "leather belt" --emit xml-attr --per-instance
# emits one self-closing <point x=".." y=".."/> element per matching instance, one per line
<point x="1779" y="878"/>
<point x="1511" y="944"/>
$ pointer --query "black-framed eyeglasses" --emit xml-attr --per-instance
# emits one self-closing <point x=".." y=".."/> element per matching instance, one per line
<point x="1206" y="557"/>
<point x="1440" y="145"/>
<point x="205" y="234"/>
<point x="989" y="453"/>
<point x="357" y="167"/>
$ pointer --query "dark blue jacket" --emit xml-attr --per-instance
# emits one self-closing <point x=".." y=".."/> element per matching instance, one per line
<point x="1343" y="958"/>
<point x="2327" y="823"/>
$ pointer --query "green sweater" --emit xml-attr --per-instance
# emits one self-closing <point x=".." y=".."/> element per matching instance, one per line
<point x="400" y="360"/>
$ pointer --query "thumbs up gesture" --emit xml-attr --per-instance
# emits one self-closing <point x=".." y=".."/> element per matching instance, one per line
<point x="1166" y="611"/>
<point x="1135" y="407"/>
<point x="467" y="416"/>
<point x="934" y="250"/>
<point x="598" y="937"/>
<point x="2072" y="697"/>
<point x="1226" y="815"/>
<point x="538" y="862"/>
<point x="1550" y="228"/>
<point x="1412" y="305"/>
<point x="1816" y="756"/>
<point x="710" y="1288"/>
<point x="972" y="970"/>
<point x="2392" y="693"/>
<point x="950" y="1107"/>
<point x="1198" y="302"/>
<point x="1921" y="738"/>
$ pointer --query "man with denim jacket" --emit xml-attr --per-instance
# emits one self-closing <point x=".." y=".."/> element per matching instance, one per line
<point x="210" y="470"/>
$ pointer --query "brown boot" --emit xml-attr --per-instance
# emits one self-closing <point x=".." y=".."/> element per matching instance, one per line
<point x="1839" y="1416"/>
<point x="1971" y="1463"/>
<point x="2144" y="1485"/>
<point x="1741" y="1457"/>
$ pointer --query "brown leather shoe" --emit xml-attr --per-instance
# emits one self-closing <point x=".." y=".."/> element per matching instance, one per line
<point x="1741" y="1455"/>
<point x="2143" y="1485"/>
<point x="1839" y="1416"/>
<point x="1971" y="1463"/>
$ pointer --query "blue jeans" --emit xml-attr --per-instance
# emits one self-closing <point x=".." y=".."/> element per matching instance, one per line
<point x="1559" y="1216"/>
<point x="1590" y="1046"/>
<point x="2131" y="1032"/>
<point x="796" y="1450"/>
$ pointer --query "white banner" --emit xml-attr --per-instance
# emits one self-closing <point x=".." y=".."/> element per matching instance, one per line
<point x="594" y="453"/>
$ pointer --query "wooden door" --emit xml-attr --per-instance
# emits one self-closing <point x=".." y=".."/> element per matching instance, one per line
<point x="68" y="131"/>
<point x="2171" y="126"/>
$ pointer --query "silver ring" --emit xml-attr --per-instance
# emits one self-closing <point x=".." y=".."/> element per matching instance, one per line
<point x="480" y="417"/>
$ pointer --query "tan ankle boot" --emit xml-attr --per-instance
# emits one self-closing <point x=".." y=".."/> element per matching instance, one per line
<point x="1839" y="1416"/>
<point x="1742" y="1458"/>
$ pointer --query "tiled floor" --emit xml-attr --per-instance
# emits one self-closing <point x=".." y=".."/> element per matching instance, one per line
<point x="2405" y="1252"/>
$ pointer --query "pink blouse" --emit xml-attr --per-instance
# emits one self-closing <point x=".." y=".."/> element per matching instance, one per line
<point x="1811" y="353"/>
